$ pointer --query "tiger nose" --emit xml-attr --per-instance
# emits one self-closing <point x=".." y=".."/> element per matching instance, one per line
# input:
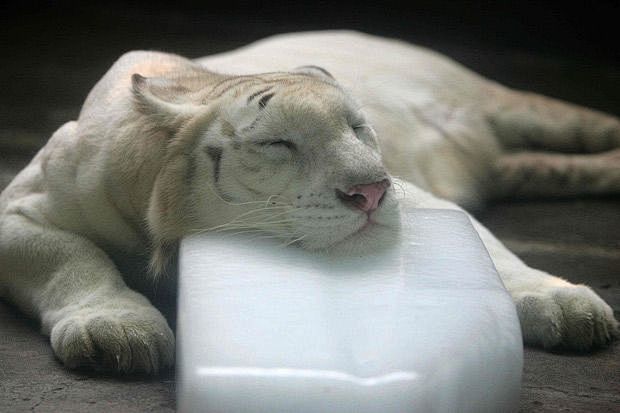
<point x="365" y="196"/>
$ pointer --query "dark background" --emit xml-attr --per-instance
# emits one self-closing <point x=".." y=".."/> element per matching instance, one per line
<point x="54" y="51"/>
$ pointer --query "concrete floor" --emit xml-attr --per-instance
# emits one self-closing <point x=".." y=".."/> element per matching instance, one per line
<point x="577" y="239"/>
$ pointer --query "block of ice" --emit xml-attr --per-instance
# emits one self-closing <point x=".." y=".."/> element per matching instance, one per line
<point x="426" y="326"/>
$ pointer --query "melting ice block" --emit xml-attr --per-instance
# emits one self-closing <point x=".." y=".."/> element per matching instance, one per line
<point x="426" y="326"/>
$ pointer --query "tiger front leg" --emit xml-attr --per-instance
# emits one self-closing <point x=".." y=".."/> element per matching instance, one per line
<point x="554" y="313"/>
<point x="94" y="320"/>
<point x="571" y="317"/>
<point x="118" y="331"/>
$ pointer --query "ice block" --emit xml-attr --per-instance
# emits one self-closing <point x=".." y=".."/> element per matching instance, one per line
<point x="425" y="326"/>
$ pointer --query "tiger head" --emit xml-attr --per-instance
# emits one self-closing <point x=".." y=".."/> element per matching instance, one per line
<point x="285" y="154"/>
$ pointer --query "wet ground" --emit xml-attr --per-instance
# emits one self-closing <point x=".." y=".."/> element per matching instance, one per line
<point x="48" y="74"/>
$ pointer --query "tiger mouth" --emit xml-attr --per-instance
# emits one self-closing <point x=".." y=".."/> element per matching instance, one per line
<point x="365" y="229"/>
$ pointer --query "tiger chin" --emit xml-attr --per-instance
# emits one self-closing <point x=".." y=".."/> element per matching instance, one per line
<point x="164" y="148"/>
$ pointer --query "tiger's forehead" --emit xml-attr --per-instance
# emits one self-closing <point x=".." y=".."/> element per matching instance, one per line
<point x="297" y="104"/>
<point x="282" y="82"/>
<point x="300" y="122"/>
<point x="299" y="92"/>
<point x="305" y="109"/>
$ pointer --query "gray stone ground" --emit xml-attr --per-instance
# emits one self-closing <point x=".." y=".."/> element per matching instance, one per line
<point x="578" y="239"/>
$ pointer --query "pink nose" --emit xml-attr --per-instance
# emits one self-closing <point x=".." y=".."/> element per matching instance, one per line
<point x="366" y="196"/>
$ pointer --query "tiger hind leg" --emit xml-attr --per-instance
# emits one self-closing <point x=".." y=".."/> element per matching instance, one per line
<point x="543" y="174"/>
<point x="529" y="122"/>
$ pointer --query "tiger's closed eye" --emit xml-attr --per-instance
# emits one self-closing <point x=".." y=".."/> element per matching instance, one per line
<point x="279" y="143"/>
<point x="362" y="127"/>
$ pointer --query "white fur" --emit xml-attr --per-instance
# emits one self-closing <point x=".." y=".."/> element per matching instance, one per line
<point x="174" y="151"/>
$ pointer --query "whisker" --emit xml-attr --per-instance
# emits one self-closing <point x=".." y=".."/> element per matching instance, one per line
<point x="262" y="224"/>
<point x="264" y="201"/>
<point x="268" y="208"/>
<point x="238" y="220"/>
<point x="248" y="224"/>
<point x="245" y="231"/>
<point x="271" y="216"/>
<point x="269" y="199"/>
<point x="266" y="236"/>
<point x="293" y="241"/>
<point x="259" y="234"/>
<point x="266" y="227"/>
<point x="267" y="223"/>
<point x="401" y="187"/>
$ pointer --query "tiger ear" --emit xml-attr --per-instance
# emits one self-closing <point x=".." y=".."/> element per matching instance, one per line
<point x="163" y="98"/>
<point x="316" y="71"/>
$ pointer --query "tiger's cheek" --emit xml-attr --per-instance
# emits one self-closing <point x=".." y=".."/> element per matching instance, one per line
<point x="268" y="179"/>
<point x="256" y="176"/>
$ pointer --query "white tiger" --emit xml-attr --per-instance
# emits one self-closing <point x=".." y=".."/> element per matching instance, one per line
<point x="164" y="147"/>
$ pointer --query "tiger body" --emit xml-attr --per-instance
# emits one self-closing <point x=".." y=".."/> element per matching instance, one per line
<point x="164" y="147"/>
<point x="445" y="128"/>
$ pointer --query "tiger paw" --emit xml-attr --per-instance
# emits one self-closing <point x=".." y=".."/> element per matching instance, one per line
<point x="571" y="318"/>
<point x="136" y="339"/>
